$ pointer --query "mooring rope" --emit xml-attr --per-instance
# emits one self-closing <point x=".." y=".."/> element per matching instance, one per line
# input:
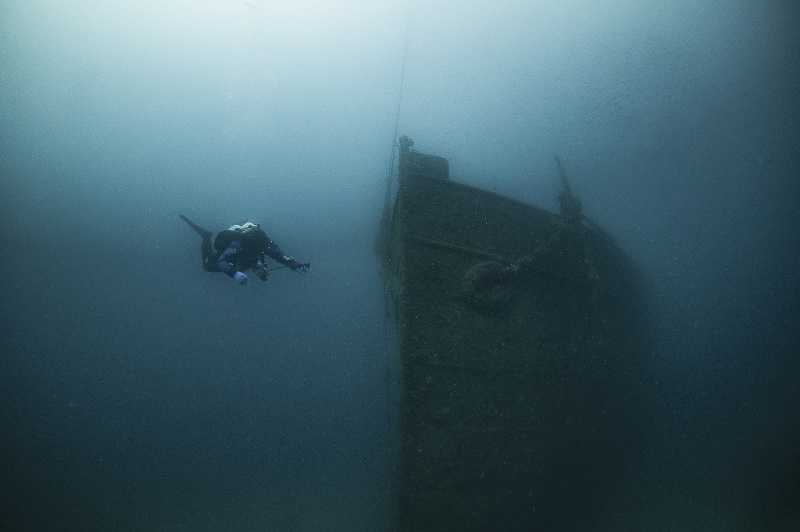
<point x="387" y="199"/>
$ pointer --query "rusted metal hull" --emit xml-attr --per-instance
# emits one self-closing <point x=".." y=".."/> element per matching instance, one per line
<point x="520" y="337"/>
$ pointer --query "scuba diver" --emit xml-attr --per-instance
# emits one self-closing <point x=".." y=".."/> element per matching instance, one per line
<point x="240" y="248"/>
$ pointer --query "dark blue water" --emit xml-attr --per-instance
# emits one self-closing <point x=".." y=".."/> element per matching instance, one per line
<point x="140" y="392"/>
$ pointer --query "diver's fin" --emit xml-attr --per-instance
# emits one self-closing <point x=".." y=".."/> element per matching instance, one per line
<point x="199" y="230"/>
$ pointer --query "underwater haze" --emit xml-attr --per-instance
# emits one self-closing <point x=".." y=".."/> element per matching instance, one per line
<point x="139" y="392"/>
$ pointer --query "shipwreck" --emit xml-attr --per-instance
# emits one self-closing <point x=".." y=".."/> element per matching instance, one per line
<point x="521" y="334"/>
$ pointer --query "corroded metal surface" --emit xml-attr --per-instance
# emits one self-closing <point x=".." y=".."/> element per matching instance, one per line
<point x="520" y="339"/>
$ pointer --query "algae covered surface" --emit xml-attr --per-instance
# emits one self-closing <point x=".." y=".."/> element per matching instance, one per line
<point x="520" y="339"/>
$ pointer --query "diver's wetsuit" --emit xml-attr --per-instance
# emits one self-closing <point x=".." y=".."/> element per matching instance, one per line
<point x="240" y="250"/>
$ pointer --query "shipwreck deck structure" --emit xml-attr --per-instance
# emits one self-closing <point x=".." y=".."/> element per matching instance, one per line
<point x="520" y="338"/>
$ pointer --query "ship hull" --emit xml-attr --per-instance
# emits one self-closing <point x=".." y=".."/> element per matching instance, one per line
<point x="520" y="339"/>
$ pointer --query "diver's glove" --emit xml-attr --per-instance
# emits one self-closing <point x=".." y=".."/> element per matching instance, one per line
<point x="240" y="278"/>
<point x="297" y="266"/>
